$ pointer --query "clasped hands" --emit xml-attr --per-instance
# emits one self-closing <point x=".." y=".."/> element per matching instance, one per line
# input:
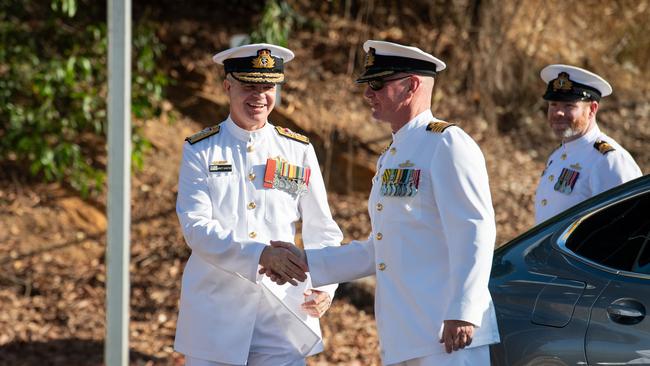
<point x="284" y="262"/>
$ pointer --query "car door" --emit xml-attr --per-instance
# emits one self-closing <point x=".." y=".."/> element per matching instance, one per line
<point x="619" y="329"/>
<point x="615" y="242"/>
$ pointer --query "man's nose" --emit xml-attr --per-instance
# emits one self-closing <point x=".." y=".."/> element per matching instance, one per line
<point x="368" y="92"/>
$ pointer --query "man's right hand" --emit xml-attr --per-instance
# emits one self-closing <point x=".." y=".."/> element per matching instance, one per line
<point x="297" y="264"/>
<point x="284" y="264"/>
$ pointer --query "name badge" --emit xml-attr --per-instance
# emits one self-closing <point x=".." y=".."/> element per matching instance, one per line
<point x="220" y="166"/>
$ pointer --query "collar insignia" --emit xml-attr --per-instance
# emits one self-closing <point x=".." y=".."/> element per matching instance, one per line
<point x="263" y="60"/>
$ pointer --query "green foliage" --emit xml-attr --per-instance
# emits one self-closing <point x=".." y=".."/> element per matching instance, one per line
<point x="276" y="23"/>
<point x="53" y="87"/>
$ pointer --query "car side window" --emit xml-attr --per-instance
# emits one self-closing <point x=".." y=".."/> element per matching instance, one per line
<point x="643" y="264"/>
<point x="616" y="236"/>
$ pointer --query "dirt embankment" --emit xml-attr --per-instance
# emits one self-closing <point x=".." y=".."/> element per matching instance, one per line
<point x="52" y="272"/>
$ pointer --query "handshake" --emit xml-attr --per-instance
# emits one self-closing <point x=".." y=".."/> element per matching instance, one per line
<point x="284" y="262"/>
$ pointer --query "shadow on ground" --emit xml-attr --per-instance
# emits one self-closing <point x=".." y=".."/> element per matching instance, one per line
<point x="68" y="352"/>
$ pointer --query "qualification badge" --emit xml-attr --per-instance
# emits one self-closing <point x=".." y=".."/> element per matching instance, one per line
<point x="286" y="177"/>
<point x="566" y="181"/>
<point x="400" y="182"/>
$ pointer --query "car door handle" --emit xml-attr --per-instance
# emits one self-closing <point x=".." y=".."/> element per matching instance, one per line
<point x="626" y="311"/>
<point x="621" y="310"/>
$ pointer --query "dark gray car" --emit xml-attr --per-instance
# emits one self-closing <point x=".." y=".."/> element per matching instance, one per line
<point x="575" y="289"/>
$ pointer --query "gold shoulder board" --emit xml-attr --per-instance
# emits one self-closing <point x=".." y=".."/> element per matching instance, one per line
<point x="603" y="147"/>
<point x="439" y="127"/>
<point x="292" y="135"/>
<point x="203" y="134"/>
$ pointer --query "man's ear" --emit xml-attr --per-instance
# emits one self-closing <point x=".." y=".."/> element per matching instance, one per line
<point x="226" y="84"/>
<point x="593" y="109"/>
<point x="414" y="84"/>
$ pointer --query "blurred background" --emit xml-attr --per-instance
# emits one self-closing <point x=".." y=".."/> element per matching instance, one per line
<point x="53" y="137"/>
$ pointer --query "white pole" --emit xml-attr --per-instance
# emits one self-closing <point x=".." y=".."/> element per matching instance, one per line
<point x="116" y="347"/>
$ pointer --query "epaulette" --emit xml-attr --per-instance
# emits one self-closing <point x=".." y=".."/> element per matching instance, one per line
<point x="603" y="147"/>
<point x="292" y="135"/>
<point x="203" y="134"/>
<point x="439" y="127"/>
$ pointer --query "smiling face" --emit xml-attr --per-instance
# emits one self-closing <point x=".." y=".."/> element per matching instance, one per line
<point x="388" y="103"/>
<point x="250" y="104"/>
<point x="571" y="120"/>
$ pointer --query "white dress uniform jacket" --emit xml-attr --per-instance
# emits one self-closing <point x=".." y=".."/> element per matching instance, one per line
<point x="431" y="252"/>
<point x="581" y="169"/>
<point x="227" y="218"/>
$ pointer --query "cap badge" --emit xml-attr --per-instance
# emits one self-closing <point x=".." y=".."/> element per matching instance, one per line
<point x="370" y="58"/>
<point x="263" y="60"/>
<point x="562" y="82"/>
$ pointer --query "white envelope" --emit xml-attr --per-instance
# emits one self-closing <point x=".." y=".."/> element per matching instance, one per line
<point x="297" y="331"/>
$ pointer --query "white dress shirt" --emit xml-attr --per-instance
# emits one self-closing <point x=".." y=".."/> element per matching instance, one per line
<point x="431" y="252"/>
<point x="577" y="170"/>
<point x="228" y="217"/>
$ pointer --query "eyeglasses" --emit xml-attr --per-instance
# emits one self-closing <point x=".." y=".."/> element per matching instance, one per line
<point x="378" y="84"/>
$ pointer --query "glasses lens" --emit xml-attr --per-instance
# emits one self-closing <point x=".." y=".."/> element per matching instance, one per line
<point x="376" y="84"/>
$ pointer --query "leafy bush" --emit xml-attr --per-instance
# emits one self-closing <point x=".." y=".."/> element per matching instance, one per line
<point x="53" y="87"/>
<point x="277" y="22"/>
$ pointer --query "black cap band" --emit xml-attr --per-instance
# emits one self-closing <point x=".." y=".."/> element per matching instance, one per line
<point x="245" y="64"/>
<point x="563" y="89"/>
<point x="262" y="68"/>
<point x="378" y="66"/>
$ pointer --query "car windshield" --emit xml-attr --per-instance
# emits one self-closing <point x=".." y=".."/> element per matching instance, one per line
<point x="617" y="236"/>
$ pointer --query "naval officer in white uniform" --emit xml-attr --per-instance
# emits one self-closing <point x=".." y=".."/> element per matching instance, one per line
<point x="587" y="162"/>
<point x="433" y="227"/>
<point x="243" y="183"/>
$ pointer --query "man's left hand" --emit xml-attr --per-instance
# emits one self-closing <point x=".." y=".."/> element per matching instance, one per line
<point x="316" y="303"/>
<point x="457" y="334"/>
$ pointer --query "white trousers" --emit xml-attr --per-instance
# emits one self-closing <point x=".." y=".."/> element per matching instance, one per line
<point x="268" y="346"/>
<point x="479" y="356"/>
<point x="253" y="360"/>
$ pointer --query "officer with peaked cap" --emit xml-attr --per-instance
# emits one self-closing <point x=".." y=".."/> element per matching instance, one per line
<point x="433" y="227"/>
<point x="242" y="183"/>
<point x="587" y="162"/>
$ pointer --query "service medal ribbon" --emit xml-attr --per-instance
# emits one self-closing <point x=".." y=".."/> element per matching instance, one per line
<point x="400" y="182"/>
<point x="279" y="174"/>
<point x="566" y="181"/>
